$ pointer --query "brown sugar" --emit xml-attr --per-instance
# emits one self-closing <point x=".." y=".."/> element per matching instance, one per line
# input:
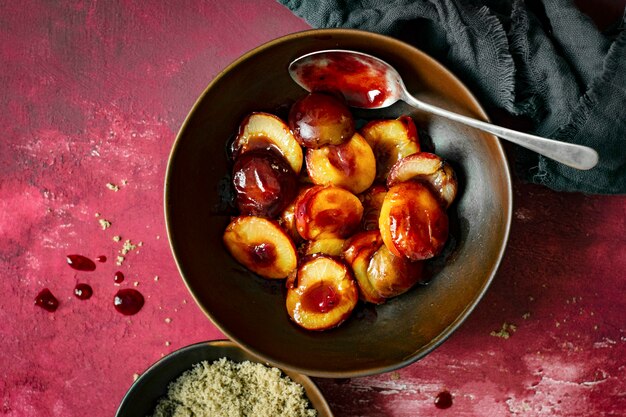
<point x="227" y="388"/>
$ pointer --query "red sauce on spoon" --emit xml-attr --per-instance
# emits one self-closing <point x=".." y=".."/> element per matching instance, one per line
<point x="364" y="81"/>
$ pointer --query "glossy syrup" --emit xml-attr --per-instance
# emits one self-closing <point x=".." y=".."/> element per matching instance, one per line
<point x="101" y="258"/>
<point x="361" y="80"/>
<point x="83" y="291"/>
<point x="46" y="300"/>
<point x="81" y="263"/>
<point x="128" y="301"/>
<point x="118" y="277"/>
<point x="443" y="400"/>
<point x="263" y="254"/>
<point x="320" y="299"/>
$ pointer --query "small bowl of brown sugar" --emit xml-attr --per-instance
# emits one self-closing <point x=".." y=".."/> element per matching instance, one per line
<point x="218" y="378"/>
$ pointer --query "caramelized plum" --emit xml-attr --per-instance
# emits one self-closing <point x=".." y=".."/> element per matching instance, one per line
<point x="332" y="246"/>
<point x="413" y="224"/>
<point x="379" y="273"/>
<point x="351" y="165"/>
<point x="358" y="252"/>
<point x="391" y="275"/>
<point x="320" y="119"/>
<point x="287" y="219"/>
<point x="321" y="293"/>
<point x="391" y="140"/>
<point x="327" y="212"/>
<point x="261" y="246"/>
<point x="268" y="132"/>
<point x="429" y="168"/>
<point x="372" y="201"/>
<point x="264" y="183"/>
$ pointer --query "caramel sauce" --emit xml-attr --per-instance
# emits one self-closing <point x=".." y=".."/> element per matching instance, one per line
<point x="361" y="80"/>
<point x="320" y="299"/>
<point x="262" y="254"/>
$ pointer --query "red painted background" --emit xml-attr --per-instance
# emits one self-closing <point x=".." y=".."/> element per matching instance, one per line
<point x="94" y="92"/>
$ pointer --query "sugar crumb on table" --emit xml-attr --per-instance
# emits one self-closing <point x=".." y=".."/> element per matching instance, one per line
<point x="104" y="224"/>
<point x="127" y="247"/>
<point x="504" y="332"/>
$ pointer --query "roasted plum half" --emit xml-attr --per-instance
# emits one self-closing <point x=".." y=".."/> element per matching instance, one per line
<point x="261" y="246"/>
<point x="413" y="223"/>
<point x="429" y="168"/>
<point x="320" y="119"/>
<point x="372" y="200"/>
<point x="324" y="212"/>
<point x="392" y="275"/>
<point x="358" y="253"/>
<point x="379" y="273"/>
<point x="287" y="218"/>
<point x="331" y="246"/>
<point x="391" y="140"/>
<point x="321" y="293"/>
<point x="264" y="183"/>
<point x="350" y="165"/>
<point x="266" y="131"/>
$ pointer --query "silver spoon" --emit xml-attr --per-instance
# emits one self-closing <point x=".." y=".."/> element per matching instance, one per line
<point x="370" y="83"/>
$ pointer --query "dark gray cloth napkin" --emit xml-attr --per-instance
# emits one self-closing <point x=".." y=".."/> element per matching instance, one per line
<point x="545" y="62"/>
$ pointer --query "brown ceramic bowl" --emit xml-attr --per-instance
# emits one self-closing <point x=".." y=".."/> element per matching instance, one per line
<point x="251" y="310"/>
<point x="142" y="397"/>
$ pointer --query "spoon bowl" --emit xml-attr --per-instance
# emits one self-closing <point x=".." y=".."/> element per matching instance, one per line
<point x="370" y="83"/>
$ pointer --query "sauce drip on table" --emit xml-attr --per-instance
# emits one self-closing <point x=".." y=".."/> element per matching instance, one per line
<point x="46" y="300"/>
<point x="128" y="301"/>
<point x="83" y="291"/>
<point x="443" y="400"/>
<point x="81" y="263"/>
<point x="118" y="277"/>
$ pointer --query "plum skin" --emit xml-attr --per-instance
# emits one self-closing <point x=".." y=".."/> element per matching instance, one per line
<point x="264" y="183"/>
<point x="319" y="119"/>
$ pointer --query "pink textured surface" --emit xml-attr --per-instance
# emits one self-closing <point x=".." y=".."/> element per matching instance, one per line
<point x="94" y="93"/>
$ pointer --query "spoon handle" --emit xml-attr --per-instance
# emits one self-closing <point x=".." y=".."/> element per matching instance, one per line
<point x="575" y="156"/>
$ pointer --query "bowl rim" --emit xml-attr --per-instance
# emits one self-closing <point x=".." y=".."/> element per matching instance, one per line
<point x="460" y="319"/>
<point x="323" y="407"/>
